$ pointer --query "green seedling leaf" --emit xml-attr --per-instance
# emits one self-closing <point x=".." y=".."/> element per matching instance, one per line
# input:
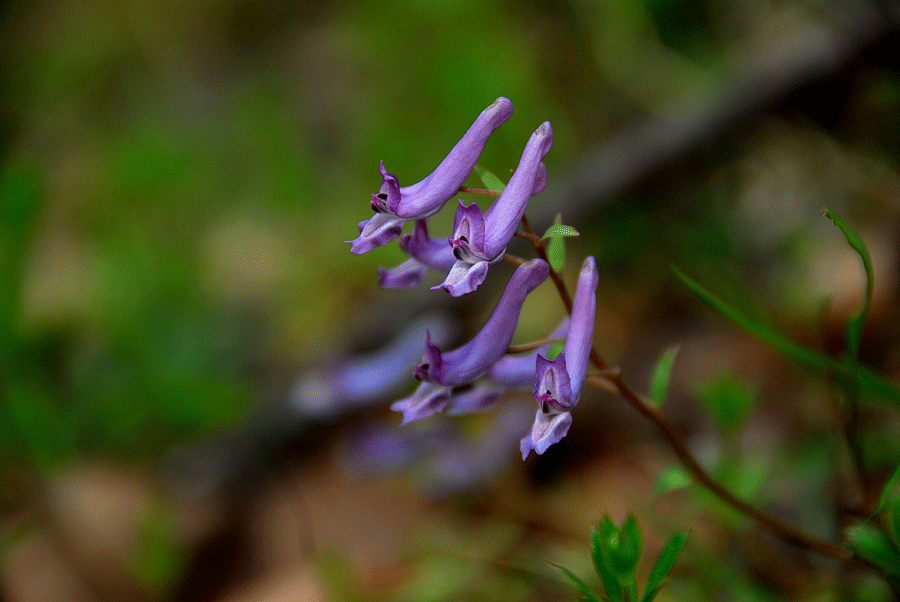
<point x="672" y="478"/>
<point x="602" y="564"/>
<point x="554" y="350"/>
<point x="728" y="399"/>
<point x="556" y="253"/>
<point x="556" y="246"/>
<point x="867" y="380"/>
<point x="491" y="182"/>
<point x="664" y="565"/>
<point x="888" y="492"/>
<point x="578" y="583"/>
<point x="659" y="385"/>
<point x="872" y="544"/>
<point x="895" y="520"/>
<point x="858" y="320"/>
<point x="626" y="552"/>
<point x="559" y="230"/>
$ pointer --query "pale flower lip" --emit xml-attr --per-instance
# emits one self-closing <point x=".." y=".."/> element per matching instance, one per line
<point x="558" y="382"/>
<point x="394" y="205"/>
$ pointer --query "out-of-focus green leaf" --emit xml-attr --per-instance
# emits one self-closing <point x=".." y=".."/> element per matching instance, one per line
<point x="554" y="350"/>
<point x="664" y="565"/>
<point x="852" y="372"/>
<point x="491" y="182"/>
<point x="888" y="492"/>
<point x="578" y="583"/>
<point x="158" y="560"/>
<point x="871" y="543"/>
<point x="895" y="520"/>
<point x="858" y="320"/>
<point x="728" y="399"/>
<point x="659" y="385"/>
<point x="47" y="432"/>
<point x="672" y="478"/>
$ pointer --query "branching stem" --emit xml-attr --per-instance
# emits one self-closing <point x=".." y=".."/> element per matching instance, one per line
<point x="610" y="379"/>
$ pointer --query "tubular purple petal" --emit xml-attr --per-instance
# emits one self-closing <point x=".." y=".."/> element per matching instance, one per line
<point x="581" y="332"/>
<point x="518" y="370"/>
<point x="425" y="198"/>
<point x="465" y="364"/>
<point x="435" y="253"/>
<point x="501" y="222"/>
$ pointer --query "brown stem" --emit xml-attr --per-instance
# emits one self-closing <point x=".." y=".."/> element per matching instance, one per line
<point x="513" y="259"/>
<point x="482" y="191"/>
<point x="554" y="275"/>
<point x="611" y="380"/>
<point x="533" y="345"/>
<point x="678" y="445"/>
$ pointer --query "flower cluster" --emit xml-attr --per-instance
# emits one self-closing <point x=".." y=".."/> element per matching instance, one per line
<point x="473" y="376"/>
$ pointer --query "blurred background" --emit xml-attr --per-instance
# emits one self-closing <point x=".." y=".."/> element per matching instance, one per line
<point x="176" y="181"/>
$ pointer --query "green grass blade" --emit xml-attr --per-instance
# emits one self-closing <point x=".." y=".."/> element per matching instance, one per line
<point x="858" y="320"/>
<point x="849" y="373"/>
<point x="664" y="565"/>
<point x="659" y="385"/>
<point x="491" y="182"/>
<point x="578" y="583"/>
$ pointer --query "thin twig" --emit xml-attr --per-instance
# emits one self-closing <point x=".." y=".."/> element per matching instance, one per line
<point x="611" y="379"/>
<point x="482" y="191"/>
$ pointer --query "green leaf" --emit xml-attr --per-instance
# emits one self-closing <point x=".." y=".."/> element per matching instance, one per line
<point x="554" y="350"/>
<point x="556" y="253"/>
<point x="578" y="583"/>
<point x="895" y="520"/>
<point x="728" y="399"/>
<point x="600" y="555"/>
<point x="858" y="320"/>
<point x="672" y="478"/>
<point x="847" y="373"/>
<point x="888" y="492"/>
<point x="558" y="229"/>
<point x="659" y="385"/>
<point x="491" y="182"/>
<point x="627" y="550"/>
<point x="664" y="565"/>
<point x="872" y="544"/>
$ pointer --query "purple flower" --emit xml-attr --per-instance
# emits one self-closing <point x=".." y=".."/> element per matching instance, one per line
<point x="424" y="252"/>
<point x="361" y="380"/>
<point x="440" y="372"/>
<point x="394" y="205"/>
<point x="558" y="382"/>
<point x="480" y="240"/>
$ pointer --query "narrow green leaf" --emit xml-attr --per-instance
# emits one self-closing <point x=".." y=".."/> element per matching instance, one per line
<point x="888" y="492"/>
<point x="672" y="478"/>
<point x="558" y="230"/>
<point x="602" y="565"/>
<point x="491" y="182"/>
<point x="858" y="320"/>
<point x="578" y="583"/>
<point x="659" y="385"/>
<point x="728" y="399"/>
<point x="872" y="544"/>
<point x="554" y="350"/>
<point x="627" y="551"/>
<point x="664" y="565"/>
<point x="556" y="253"/>
<point x="867" y="380"/>
<point x="895" y="519"/>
